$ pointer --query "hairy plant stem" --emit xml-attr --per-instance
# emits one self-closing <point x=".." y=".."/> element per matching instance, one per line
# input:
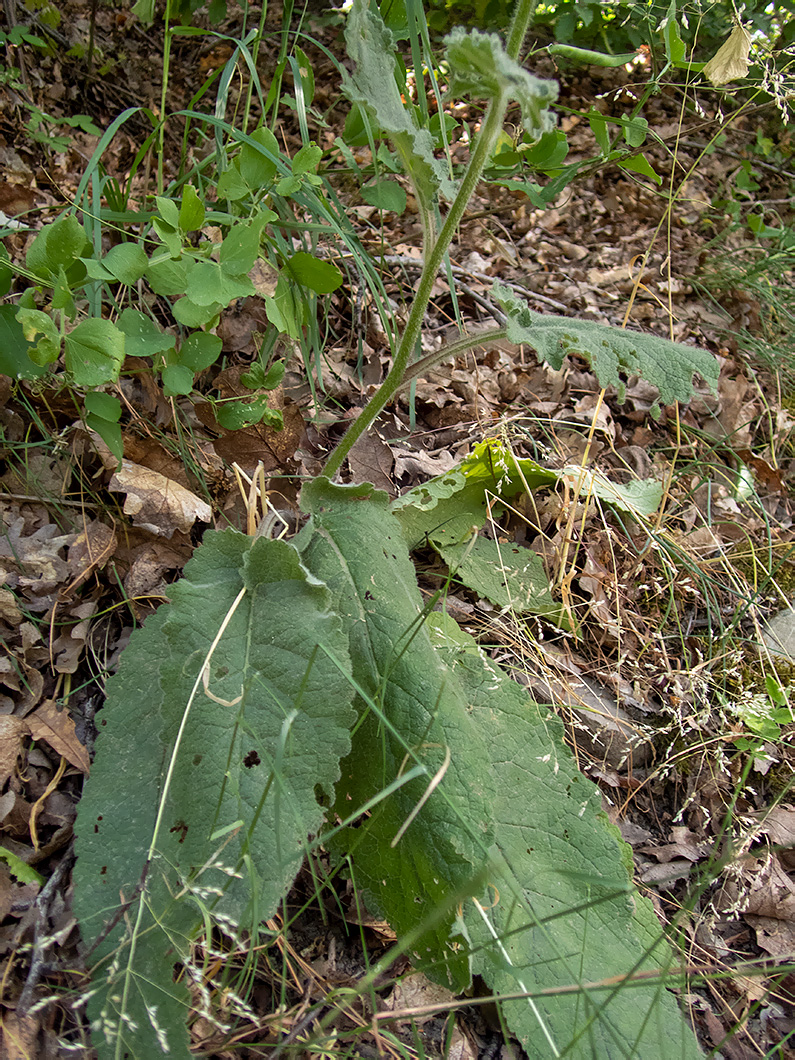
<point x="492" y="126"/>
<point x="490" y="130"/>
<point x="520" y="22"/>
<point x="452" y="349"/>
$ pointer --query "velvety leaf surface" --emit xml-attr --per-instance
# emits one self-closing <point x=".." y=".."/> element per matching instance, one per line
<point x="508" y="575"/>
<point x="560" y="894"/>
<point x="446" y="508"/>
<point x="479" y="66"/>
<point x="613" y="353"/>
<point x="370" y="46"/>
<point x="417" y="713"/>
<point x="503" y="773"/>
<point x="265" y="732"/>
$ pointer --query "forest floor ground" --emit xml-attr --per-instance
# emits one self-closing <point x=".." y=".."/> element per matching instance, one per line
<point x="667" y="651"/>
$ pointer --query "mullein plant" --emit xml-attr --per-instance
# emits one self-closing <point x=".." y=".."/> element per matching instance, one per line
<point x="293" y="693"/>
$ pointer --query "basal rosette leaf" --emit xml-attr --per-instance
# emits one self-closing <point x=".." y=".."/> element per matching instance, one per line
<point x="413" y="713"/>
<point x="511" y="576"/>
<point x="510" y="819"/>
<point x="447" y="508"/>
<point x="614" y="354"/>
<point x="257" y="738"/>
<point x="560" y="896"/>
<point x="480" y="67"/>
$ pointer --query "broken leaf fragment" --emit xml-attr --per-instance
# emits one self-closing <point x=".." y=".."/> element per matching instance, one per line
<point x="157" y="503"/>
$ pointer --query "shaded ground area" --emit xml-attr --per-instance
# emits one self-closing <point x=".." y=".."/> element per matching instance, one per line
<point x="661" y="673"/>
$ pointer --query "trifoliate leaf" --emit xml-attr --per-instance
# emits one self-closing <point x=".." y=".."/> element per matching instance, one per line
<point x="209" y="283"/>
<point x="58" y="245"/>
<point x="177" y="379"/>
<point x="193" y="315"/>
<point x="199" y="351"/>
<point x="168" y="277"/>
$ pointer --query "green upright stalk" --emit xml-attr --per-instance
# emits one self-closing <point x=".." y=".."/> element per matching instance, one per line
<point x="254" y="57"/>
<point x="492" y="126"/>
<point x="490" y="130"/>
<point x="522" y="17"/>
<point x="161" y="140"/>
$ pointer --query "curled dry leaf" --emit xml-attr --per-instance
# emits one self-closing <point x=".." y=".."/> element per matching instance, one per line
<point x="69" y="645"/>
<point x="20" y="669"/>
<point x="12" y="732"/>
<point x="778" y="823"/>
<point x="157" y="503"/>
<point x="57" y="728"/>
<point x="89" y="552"/>
<point x="9" y="609"/>
<point x="34" y="560"/>
<point x="416" y="991"/>
<point x="371" y="460"/>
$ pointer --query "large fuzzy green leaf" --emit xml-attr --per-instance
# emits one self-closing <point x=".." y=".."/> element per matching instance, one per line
<point x="480" y="66"/>
<point x="414" y="712"/>
<point x="511" y="576"/>
<point x="262" y="735"/>
<point x="509" y="808"/>
<point x="445" y="509"/>
<point x="614" y="354"/>
<point x="560" y="896"/>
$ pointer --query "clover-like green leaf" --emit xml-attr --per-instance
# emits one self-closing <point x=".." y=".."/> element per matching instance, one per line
<point x="126" y="263"/>
<point x="94" y="352"/>
<point x="58" y="246"/>
<point x="14" y="349"/>
<point x="143" y="338"/>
